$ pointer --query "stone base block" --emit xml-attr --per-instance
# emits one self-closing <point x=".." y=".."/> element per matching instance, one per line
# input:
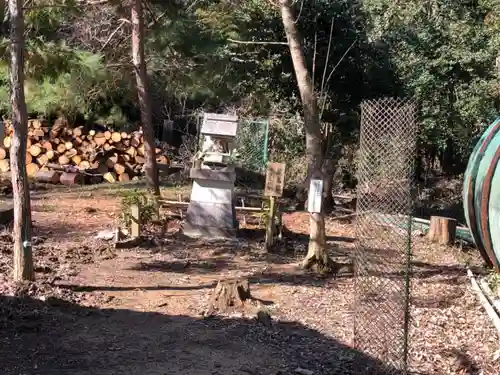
<point x="196" y="231"/>
<point x="210" y="220"/>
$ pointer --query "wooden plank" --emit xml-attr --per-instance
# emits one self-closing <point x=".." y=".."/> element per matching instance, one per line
<point x="275" y="179"/>
<point x="176" y="204"/>
<point x="495" y="319"/>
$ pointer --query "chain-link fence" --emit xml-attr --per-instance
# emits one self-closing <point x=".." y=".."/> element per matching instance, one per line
<point x="251" y="144"/>
<point x="182" y="133"/>
<point x="383" y="249"/>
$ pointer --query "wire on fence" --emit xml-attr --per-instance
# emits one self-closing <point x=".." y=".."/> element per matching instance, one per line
<point x="383" y="249"/>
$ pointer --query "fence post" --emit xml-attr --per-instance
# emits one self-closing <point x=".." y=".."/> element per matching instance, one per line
<point x="266" y="142"/>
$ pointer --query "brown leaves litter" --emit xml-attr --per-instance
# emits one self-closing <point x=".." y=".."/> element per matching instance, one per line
<point x="450" y="334"/>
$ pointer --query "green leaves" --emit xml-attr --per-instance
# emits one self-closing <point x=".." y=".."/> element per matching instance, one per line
<point x="443" y="53"/>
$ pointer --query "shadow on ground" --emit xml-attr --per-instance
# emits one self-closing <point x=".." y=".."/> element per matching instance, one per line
<point x="293" y="277"/>
<point x="58" y="337"/>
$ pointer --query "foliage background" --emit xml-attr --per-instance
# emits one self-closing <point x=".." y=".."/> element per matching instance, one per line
<point x="442" y="52"/>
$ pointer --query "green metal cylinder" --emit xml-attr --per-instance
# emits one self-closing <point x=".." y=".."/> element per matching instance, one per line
<point x="481" y="195"/>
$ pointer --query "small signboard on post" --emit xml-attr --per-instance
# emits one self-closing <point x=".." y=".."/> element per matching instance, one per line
<point x="275" y="182"/>
<point x="275" y="179"/>
<point x="315" y="197"/>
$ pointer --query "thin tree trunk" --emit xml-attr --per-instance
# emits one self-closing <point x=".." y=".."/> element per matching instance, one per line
<point x="329" y="166"/>
<point x="23" y="258"/>
<point x="317" y="254"/>
<point x="141" y="77"/>
<point x="331" y="154"/>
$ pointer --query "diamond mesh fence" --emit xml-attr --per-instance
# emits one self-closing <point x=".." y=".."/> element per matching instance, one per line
<point x="383" y="231"/>
<point x="251" y="144"/>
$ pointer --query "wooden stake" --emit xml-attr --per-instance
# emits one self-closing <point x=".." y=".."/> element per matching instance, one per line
<point x="244" y="216"/>
<point x="136" y="220"/>
<point x="270" y="223"/>
<point x="442" y="230"/>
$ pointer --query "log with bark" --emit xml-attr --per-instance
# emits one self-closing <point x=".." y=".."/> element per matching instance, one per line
<point x="72" y="179"/>
<point x="52" y="177"/>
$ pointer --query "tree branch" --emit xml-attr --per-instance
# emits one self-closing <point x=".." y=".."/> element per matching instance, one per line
<point x="331" y="73"/>
<point x="114" y="33"/>
<point x="78" y="4"/>
<point x="330" y="38"/>
<point x="252" y="42"/>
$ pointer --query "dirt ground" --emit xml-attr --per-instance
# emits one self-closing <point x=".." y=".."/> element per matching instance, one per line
<point x="99" y="310"/>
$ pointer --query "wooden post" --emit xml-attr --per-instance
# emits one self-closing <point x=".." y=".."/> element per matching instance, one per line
<point x="270" y="223"/>
<point x="275" y="181"/>
<point x="135" y="229"/>
<point x="442" y="230"/>
<point x="244" y="216"/>
<point x="279" y="216"/>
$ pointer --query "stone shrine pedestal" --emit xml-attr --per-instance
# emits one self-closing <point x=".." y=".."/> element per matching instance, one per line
<point x="211" y="211"/>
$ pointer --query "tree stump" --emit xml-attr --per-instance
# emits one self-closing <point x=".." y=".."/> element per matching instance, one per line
<point x="442" y="230"/>
<point x="229" y="294"/>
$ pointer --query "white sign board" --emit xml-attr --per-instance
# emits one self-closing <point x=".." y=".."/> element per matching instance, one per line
<point x="315" y="196"/>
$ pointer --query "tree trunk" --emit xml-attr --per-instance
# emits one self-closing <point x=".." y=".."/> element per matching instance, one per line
<point x="23" y="258"/>
<point x="329" y="165"/>
<point x="317" y="254"/>
<point x="331" y="153"/>
<point x="141" y="77"/>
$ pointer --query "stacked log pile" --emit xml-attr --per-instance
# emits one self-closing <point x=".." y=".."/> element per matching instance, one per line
<point x="69" y="155"/>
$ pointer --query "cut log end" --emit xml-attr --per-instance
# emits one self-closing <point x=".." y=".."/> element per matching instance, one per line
<point x="31" y="169"/>
<point x="4" y="165"/>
